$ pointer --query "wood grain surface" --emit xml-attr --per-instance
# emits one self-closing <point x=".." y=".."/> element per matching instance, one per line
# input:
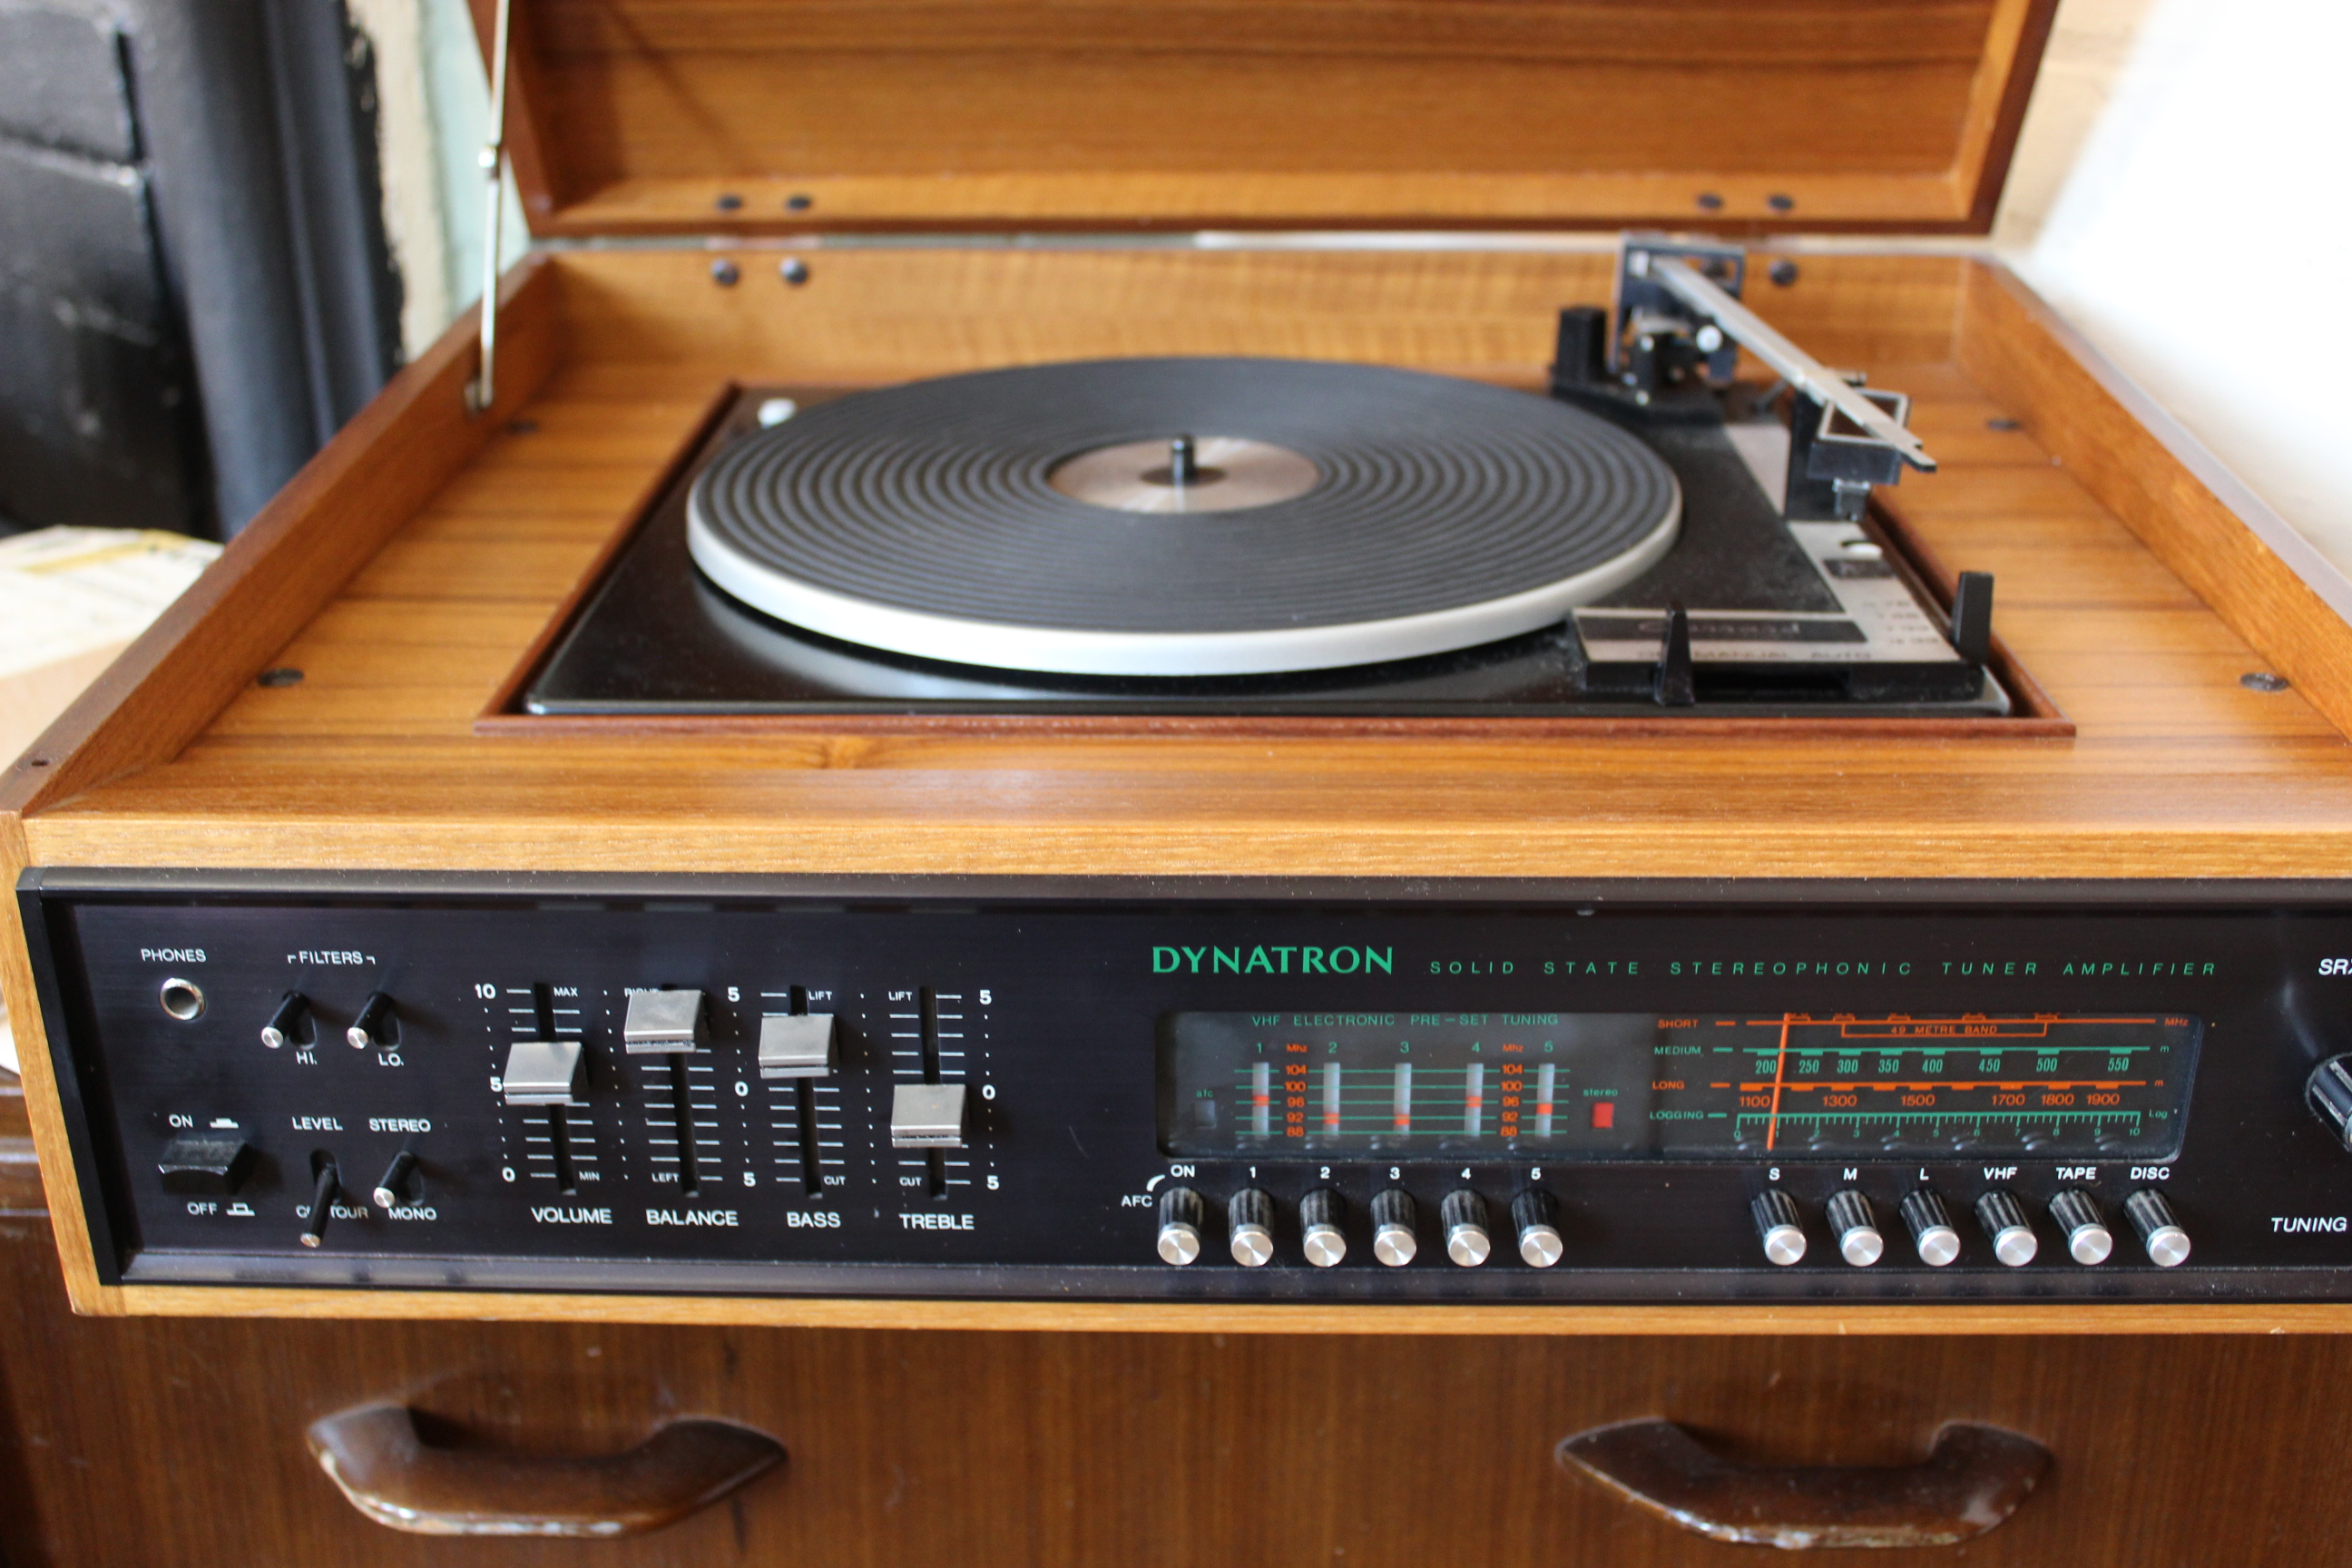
<point x="639" y="116"/>
<point x="373" y="759"/>
<point x="990" y="1450"/>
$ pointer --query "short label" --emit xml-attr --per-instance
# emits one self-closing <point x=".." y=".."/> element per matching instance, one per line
<point x="317" y="1124"/>
<point x="2308" y="1225"/>
<point x="399" y="1124"/>
<point x="572" y="1216"/>
<point x="690" y="1216"/>
<point x="820" y="1219"/>
<point x="935" y="1222"/>
<point x="171" y="955"/>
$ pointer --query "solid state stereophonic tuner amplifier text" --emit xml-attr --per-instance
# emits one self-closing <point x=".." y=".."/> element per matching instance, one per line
<point x="1231" y="1090"/>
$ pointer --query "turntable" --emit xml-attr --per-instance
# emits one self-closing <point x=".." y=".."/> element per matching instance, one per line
<point x="1234" y="536"/>
<point x="989" y="561"/>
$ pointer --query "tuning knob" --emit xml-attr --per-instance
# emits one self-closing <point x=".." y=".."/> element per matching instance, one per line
<point x="2076" y="1214"/>
<point x="2003" y="1218"/>
<point x="1536" y="1217"/>
<point x="2328" y="1091"/>
<point x="1779" y="1225"/>
<point x="1249" y="1228"/>
<point x="1319" y="1212"/>
<point x="1180" y="1218"/>
<point x="1464" y="1216"/>
<point x="1930" y="1225"/>
<point x="1856" y="1229"/>
<point x="1393" y="1224"/>
<point x="2151" y="1216"/>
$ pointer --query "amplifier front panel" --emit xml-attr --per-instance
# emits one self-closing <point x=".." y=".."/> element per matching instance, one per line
<point x="1074" y="1092"/>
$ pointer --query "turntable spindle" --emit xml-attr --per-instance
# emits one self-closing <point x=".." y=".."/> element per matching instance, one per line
<point x="1183" y="465"/>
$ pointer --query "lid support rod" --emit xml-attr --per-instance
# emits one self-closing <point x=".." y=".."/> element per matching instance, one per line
<point x="1800" y="369"/>
<point x="483" y="388"/>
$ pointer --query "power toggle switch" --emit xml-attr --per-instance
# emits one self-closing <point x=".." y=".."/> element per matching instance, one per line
<point x="209" y="1165"/>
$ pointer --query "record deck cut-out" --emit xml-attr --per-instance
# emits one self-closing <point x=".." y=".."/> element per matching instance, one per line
<point x="1180" y="516"/>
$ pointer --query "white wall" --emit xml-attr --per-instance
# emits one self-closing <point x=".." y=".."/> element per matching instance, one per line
<point x="2184" y="196"/>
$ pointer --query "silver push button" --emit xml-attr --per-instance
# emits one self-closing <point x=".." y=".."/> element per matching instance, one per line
<point x="800" y="1047"/>
<point x="2006" y="1225"/>
<point x="926" y="1116"/>
<point x="542" y="1073"/>
<point x="2159" y="1233"/>
<point x="662" y="1022"/>
<point x="1777" y="1226"/>
<point x="1930" y="1224"/>
<point x="2077" y="1215"/>
<point x="1856" y="1228"/>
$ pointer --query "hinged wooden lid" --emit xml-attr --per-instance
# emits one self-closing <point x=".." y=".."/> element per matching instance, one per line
<point x="761" y="116"/>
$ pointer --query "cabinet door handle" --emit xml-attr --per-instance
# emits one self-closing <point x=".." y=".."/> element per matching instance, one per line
<point x="375" y="1455"/>
<point x="1974" y="1478"/>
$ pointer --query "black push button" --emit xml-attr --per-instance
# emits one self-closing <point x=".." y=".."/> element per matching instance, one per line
<point x="208" y="1164"/>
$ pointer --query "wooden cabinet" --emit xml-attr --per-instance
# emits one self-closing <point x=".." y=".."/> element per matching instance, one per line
<point x="177" y="1443"/>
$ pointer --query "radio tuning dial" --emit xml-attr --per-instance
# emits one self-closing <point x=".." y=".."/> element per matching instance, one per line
<point x="2328" y="1092"/>
<point x="1930" y="1225"/>
<point x="2159" y="1233"/>
<point x="2076" y="1214"/>
<point x="1394" y="1219"/>
<point x="1464" y="1216"/>
<point x="1536" y="1217"/>
<point x="1319" y="1212"/>
<point x="1249" y="1228"/>
<point x="1779" y="1227"/>
<point x="1856" y="1229"/>
<point x="2004" y="1221"/>
<point x="1181" y="1217"/>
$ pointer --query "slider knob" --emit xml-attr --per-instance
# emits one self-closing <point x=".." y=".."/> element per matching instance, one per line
<point x="1930" y="1225"/>
<point x="2003" y="1218"/>
<point x="2076" y="1212"/>
<point x="1394" y="1241"/>
<point x="1779" y="1227"/>
<point x="2151" y="1216"/>
<point x="1249" y="1228"/>
<point x="2328" y="1092"/>
<point x="1536" y="1217"/>
<point x="1856" y="1229"/>
<point x="1181" y="1217"/>
<point x="1319" y="1212"/>
<point x="1464" y="1216"/>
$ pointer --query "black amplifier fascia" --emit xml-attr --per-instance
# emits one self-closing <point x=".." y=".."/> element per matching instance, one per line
<point x="1050" y="1088"/>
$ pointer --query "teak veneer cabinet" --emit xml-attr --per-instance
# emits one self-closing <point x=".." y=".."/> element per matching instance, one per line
<point x="416" y="569"/>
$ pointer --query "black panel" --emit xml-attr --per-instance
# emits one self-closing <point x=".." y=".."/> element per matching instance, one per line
<point x="62" y="81"/>
<point x="1046" y="1002"/>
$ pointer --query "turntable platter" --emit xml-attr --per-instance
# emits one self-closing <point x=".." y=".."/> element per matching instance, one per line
<point x="1180" y="516"/>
